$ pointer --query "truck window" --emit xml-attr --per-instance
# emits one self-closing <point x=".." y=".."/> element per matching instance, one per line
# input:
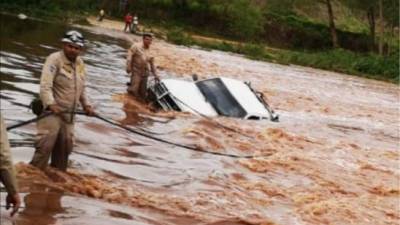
<point x="220" y="98"/>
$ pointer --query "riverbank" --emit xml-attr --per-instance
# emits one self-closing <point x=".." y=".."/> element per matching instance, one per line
<point x="369" y="65"/>
<point x="338" y="60"/>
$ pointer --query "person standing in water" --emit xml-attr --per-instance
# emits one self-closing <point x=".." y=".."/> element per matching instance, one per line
<point x="7" y="171"/>
<point x="62" y="87"/>
<point x="139" y="64"/>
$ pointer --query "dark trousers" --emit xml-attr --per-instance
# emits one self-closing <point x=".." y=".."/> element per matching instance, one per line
<point x="54" y="138"/>
<point x="127" y="26"/>
<point x="138" y="86"/>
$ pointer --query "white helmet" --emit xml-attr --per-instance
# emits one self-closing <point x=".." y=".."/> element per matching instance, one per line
<point x="74" y="37"/>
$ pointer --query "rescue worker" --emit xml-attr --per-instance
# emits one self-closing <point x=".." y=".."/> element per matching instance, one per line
<point x="140" y="63"/>
<point x="7" y="171"/>
<point x="62" y="87"/>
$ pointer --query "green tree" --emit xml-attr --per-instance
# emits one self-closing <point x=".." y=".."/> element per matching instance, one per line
<point x="388" y="11"/>
<point x="289" y="4"/>
<point x="332" y="26"/>
<point x="281" y="6"/>
<point x="244" y="19"/>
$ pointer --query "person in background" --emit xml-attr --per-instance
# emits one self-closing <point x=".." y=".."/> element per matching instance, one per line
<point x="101" y="15"/>
<point x="7" y="171"/>
<point x="128" y="22"/>
<point x="135" y="24"/>
<point x="140" y="63"/>
<point x="62" y="87"/>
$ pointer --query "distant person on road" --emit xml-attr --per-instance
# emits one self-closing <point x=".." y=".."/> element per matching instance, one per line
<point x="140" y="63"/>
<point x="135" y="24"/>
<point x="128" y="22"/>
<point x="101" y="15"/>
<point x="62" y="87"/>
<point x="7" y="171"/>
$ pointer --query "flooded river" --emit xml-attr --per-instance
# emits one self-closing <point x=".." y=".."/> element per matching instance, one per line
<point x="332" y="159"/>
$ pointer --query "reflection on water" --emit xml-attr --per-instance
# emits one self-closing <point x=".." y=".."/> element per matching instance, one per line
<point x="333" y="158"/>
<point x="42" y="208"/>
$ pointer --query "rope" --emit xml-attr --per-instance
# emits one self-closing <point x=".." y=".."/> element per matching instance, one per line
<point x="154" y="133"/>
<point x="112" y="122"/>
<point x="4" y="206"/>
<point x="28" y="121"/>
<point x="209" y="118"/>
<point x="37" y="119"/>
<point x="168" y="142"/>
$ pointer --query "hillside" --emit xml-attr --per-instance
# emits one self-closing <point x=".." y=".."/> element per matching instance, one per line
<point x="282" y="31"/>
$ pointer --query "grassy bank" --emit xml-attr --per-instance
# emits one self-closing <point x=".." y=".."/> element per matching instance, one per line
<point x="363" y="64"/>
<point x="367" y="65"/>
<point x="313" y="53"/>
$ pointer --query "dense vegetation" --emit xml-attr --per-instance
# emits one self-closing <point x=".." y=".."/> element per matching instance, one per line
<point x="341" y="35"/>
<point x="51" y="7"/>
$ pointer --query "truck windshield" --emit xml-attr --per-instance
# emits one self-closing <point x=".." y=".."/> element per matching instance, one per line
<point x="220" y="98"/>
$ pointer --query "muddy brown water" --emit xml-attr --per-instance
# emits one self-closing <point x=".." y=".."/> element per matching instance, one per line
<point x="332" y="159"/>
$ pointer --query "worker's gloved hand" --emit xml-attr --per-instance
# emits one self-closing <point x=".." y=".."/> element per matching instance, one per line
<point x="55" y="109"/>
<point x="89" y="110"/>
<point x="157" y="78"/>
<point x="13" y="200"/>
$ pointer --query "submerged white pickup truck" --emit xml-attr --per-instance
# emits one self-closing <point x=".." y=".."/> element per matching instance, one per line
<point x="219" y="96"/>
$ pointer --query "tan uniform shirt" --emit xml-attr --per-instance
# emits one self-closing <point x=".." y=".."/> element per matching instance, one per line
<point x="139" y="60"/>
<point x="63" y="82"/>
<point x="7" y="172"/>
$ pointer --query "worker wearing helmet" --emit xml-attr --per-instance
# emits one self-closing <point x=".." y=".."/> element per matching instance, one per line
<point x="62" y="89"/>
